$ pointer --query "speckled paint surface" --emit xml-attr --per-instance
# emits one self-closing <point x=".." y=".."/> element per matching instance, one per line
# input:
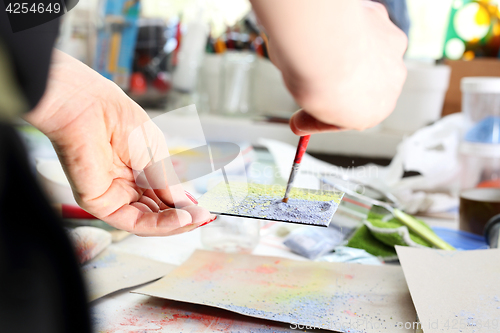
<point x="265" y="202"/>
<point x="333" y="296"/>
<point x="142" y="314"/>
<point x="454" y="291"/>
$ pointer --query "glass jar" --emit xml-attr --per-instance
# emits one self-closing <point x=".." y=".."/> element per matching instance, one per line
<point x="236" y="83"/>
<point x="231" y="234"/>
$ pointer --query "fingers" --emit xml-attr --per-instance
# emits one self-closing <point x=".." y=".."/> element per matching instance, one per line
<point x="138" y="219"/>
<point x="160" y="204"/>
<point x="163" y="180"/>
<point x="302" y="124"/>
<point x="198" y="214"/>
<point x="148" y="152"/>
<point x="149" y="216"/>
<point x="152" y="204"/>
<point x="142" y="207"/>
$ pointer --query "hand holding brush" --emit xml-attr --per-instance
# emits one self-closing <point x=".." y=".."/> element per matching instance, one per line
<point x="301" y="149"/>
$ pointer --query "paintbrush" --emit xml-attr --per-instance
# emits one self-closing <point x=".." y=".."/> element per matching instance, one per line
<point x="250" y="200"/>
<point x="301" y="149"/>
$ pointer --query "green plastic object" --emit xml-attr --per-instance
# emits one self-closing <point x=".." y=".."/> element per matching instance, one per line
<point x="421" y="230"/>
<point x="385" y="228"/>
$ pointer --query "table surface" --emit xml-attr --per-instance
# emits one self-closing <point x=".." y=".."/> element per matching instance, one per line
<point x="127" y="312"/>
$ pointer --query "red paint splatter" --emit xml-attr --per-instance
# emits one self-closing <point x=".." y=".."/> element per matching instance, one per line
<point x="348" y="276"/>
<point x="175" y="316"/>
<point x="205" y="320"/>
<point x="266" y="269"/>
<point x="277" y="262"/>
<point x="269" y="283"/>
<point x="212" y="267"/>
<point x="207" y="271"/>
<point x="350" y="313"/>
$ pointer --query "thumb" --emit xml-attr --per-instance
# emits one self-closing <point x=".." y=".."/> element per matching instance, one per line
<point x="302" y="123"/>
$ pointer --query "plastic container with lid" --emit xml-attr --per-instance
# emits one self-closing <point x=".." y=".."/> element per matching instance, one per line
<point x="479" y="150"/>
<point x="480" y="147"/>
<point x="481" y="99"/>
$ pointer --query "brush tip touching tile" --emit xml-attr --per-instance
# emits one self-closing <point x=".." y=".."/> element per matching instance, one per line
<point x="303" y="206"/>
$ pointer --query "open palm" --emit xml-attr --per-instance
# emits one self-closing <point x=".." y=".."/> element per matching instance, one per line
<point x="89" y="119"/>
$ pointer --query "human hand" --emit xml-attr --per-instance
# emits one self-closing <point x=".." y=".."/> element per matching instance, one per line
<point x="89" y="119"/>
<point x="341" y="60"/>
<point x="367" y="95"/>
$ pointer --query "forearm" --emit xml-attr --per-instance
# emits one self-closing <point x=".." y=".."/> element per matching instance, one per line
<point x="342" y="60"/>
<point x="67" y="85"/>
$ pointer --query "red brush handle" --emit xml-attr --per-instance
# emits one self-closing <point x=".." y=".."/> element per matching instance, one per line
<point x="301" y="148"/>
<point x="74" y="212"/>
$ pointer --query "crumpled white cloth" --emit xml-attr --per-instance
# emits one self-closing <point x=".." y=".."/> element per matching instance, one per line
<point x="432" y="151"/>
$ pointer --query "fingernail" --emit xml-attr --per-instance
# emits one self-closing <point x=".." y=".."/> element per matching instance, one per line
<point x="215" y="218"/>
<point x="191" y="197"/>
<point x="293" y="120"/>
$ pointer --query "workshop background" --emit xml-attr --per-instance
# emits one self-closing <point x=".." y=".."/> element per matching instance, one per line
<point x="426" y="177"/>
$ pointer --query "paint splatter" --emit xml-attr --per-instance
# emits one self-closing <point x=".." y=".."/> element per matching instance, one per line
<point x="147" y="314"/>
<point x="266" y="269"/>
<point x="264" y="201"/>
<point x="310" y="311"/>
<point x="312" y="294"/>
<point x="104" y="261"/>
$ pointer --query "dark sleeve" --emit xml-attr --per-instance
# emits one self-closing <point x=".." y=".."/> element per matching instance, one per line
<point x="30" y="51"/>
<point x="41" y="287"/>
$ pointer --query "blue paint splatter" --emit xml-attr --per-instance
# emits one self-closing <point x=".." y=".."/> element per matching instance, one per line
<point x="296" y="210"/>
<point x="314" y="312"/>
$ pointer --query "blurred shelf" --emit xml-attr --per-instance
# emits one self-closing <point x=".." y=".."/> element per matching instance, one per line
<point x="373" y="143"/>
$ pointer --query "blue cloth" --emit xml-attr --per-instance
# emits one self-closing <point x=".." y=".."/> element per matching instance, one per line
<point x="398" y="12"/>
<point x="461" y="240"/>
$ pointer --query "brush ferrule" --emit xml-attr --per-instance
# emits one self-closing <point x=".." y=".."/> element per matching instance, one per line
<point x="293" y="172"/>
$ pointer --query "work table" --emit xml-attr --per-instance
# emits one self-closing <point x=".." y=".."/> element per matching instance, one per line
<point x="123" y="311"/>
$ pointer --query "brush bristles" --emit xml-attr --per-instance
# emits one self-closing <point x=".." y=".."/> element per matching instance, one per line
<point x="285" y="200"/>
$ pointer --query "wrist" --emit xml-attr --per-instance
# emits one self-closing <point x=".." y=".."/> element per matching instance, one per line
<point x="72" y="89"/>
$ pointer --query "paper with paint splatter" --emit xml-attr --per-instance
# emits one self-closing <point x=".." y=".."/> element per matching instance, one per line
<point x="454" y="291"/>
<point x="334" y="296"/>
<point x="113" y="270"/>
<point x="304" y="206"/>
<point x="139" y="313"/>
